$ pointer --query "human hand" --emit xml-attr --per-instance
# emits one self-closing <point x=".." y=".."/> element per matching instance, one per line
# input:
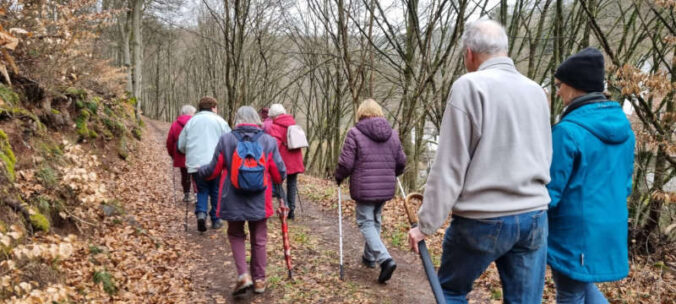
<point x="414" y="237"/>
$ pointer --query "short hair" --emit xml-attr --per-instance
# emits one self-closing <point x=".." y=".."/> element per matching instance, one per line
<point x="485" y="36"/>
<point x="187" y="110"/>
<point x="207" y="103"/>
<point x="369" y="108"/>
<point x="276" y="110"/>
<point x="247" y="115"/>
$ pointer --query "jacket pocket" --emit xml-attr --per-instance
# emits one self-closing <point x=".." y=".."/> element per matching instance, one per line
<point x="479" y="235"/>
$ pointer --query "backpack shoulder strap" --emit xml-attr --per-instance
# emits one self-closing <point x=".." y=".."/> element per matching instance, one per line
<point x="257" y="136"/>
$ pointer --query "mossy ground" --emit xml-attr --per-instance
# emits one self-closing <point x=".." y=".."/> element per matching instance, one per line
<point x="7" y="158"/>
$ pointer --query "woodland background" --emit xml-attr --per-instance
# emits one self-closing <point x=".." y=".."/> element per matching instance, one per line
<point x="321" y="58"/>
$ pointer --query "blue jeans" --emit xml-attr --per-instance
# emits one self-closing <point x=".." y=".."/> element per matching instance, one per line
<point x="205" y="190"/>
<point x="291" y="190"/>
<point x="369" y="219"/>
<point x="569" y="291"/>
<point x="517" y="244"/>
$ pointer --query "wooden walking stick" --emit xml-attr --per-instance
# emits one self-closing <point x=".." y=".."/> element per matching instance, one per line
<point x="283" y="212"/>
<point x="422" y="247"/>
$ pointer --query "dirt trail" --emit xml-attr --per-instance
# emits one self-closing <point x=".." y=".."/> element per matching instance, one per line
<point x="314" y="240"/>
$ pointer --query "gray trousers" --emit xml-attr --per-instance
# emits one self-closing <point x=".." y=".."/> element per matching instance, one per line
<point x="369" y="221"/>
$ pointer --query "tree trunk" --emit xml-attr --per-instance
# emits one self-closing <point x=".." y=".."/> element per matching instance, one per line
<point x="137" y="55"/>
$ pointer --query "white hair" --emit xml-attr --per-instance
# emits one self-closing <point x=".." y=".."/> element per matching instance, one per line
<point x="485" y="36"/>
<point x="276" y="110"/>
<point x="247" y="115"/>
<point x="188" y="110"/>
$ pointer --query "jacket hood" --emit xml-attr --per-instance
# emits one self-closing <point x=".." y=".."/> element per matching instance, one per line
<point x="247" y="129"/>
<point x="605" y="120"/>
<point x="376" y="128"/>
<point x="284" y="120"/>
<point x="183" y="119"/>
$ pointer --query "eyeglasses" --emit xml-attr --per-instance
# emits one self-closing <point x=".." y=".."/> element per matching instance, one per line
<point x="558" y="85"/>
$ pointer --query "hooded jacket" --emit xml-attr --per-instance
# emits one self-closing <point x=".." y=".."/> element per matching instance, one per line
<point x="591" y="176"/>
<point x="293" y="159"/>
<point x="235" y="206"/>
<point x="373" y="158"/>
<point x="172" y="140"/>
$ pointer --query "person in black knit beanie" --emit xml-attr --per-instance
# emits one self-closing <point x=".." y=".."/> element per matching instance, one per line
<point x="583" y="71"/>
<point x="591" y="178"/>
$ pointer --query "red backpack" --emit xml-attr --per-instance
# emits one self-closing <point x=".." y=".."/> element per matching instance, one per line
<point x="248" y="164"/>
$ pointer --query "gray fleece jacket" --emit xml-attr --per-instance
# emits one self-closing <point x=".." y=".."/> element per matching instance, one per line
<point x="495" y="148"/>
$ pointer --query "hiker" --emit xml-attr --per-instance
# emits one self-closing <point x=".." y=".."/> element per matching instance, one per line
<point x="491" y="170"/>
<point x="243" y="201"/>
<point x="187" y="111"/>
<point x="372" y="157"/>
<point x="293" y="158"/>
<point x="267" y="121"/>
<point x="591" y="175"/>
<point x="198" y="141"/>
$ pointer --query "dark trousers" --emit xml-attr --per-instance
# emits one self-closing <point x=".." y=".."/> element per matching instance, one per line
<point x="185" y="180"/>
<point x="291" y="190"/>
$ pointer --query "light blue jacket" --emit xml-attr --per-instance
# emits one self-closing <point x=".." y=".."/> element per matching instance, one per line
<point x="199" y="138"/>
<point x="591" y="176"/>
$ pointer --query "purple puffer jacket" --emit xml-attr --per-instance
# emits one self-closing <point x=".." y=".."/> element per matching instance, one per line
<point x="373" y="156"/>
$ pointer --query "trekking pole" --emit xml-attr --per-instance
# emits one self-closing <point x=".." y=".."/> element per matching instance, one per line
<point x="422" y="247"/>
<point x="185" y="219"/>
<point x="173" y="179"/>
<point x="300" y="202"/>
<point x="340" y="233"/>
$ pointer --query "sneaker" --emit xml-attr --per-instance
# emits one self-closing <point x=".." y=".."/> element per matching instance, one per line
<point x="259" y="286"/>
<point x="201" y="221"/>
<point x="386" y="269"/>
<point x="187" y="197"/>
<point x="217" y="224"/>
<point x="368" y="263"/>
<point x="243" y="283"/>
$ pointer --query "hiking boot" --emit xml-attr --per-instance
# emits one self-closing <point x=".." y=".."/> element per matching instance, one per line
<point x="201" y="221"/>
<point x="368" y="263"/>
<point x="259" y="286"/>
<point x="243" y="283"/>
<point x="386" y="269"/>
<point x="187" y="197"/>
<point x="217" y="224"/>
<point x="291" y="216"/>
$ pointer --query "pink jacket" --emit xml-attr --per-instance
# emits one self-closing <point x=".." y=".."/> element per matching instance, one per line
<point x="293" y="159"/>
<point x="172" y="140"/>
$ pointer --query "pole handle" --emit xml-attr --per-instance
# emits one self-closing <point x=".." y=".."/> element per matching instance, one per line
<point x="410" y="213"/>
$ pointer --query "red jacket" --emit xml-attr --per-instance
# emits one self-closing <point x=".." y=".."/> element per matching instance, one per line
<point x="172" y="140"/>
<point x="293" y="159"/>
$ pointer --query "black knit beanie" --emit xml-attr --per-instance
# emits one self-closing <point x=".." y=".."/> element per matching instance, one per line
<point x="583" y="71"/>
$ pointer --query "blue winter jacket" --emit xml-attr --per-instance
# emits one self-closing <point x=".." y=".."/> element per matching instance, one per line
<point x="591" y="171"/>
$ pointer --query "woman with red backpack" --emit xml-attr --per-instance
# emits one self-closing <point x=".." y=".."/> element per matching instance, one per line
<point x="248" y="163"/>
<point x="293" y="158"/>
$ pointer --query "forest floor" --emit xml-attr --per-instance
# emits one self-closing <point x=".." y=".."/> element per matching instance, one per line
<point x="209" y="272"/>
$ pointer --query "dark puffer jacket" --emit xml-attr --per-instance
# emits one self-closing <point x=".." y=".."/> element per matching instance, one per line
<point x="372" y="155"/>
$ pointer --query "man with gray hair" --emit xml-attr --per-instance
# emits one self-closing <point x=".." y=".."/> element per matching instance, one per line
<point x="490" y="172"/>
<point x="187" y="111"/>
